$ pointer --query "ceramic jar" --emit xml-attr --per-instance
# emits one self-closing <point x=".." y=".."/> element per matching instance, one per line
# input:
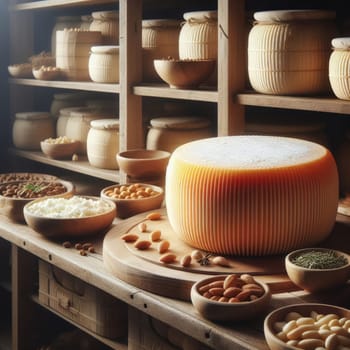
<point x="198" y="37"/>
<point x="65" y="100"/>
<point x="103" y="143"/>
<point x="288" y="51"/>
<point x="30" y="128"/>
<point x="339" y="68"/>
<point x="78" y="124"/>
<point x="73" y="52"/>
<point x="104" y="64"/>
<point x="61" y="23"/>
<point x="314" y="131"/>
<point x="106" y="22"/>
<point x="160" y="39"/>
<point x="167" y="133"/>
<point x="85" y="22"/>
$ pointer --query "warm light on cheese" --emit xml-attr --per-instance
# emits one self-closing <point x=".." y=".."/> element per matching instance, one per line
<point x="251" y="195"/>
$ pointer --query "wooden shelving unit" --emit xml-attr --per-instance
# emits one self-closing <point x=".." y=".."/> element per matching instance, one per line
<point x="229" y="97"/>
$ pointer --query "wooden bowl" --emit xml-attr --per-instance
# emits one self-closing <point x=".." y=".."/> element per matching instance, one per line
<point x="184" y="74"/>
<point x="279" y="315"/>
<point x="127" y="207"/>
<point x="143" y="164"/>
<point x="60" y="150"/>
<point x="46" y="73"/>
<point x="70" y="217"/>
<point x="227" y="311"/>
<point x="23" y="70"/>
<point x="12" y="207"/>
<point x="314" y="280"/>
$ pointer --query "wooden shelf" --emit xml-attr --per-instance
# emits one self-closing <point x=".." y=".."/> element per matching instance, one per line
<point x="162" y="90"/>
<point x="80" y="166"/>
<point x="325" y="104"/>
<point x="44" y="4"/>
<point x="73" y="85"/>
<point x="114" y="344"/>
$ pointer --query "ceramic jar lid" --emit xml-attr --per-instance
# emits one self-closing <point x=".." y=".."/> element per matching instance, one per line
<point x="341" y="43"/>
<point x="293" y="15"/>
<point x="88" y="112"/>
<point x="105" y="49"/>
<point x="32" y="115"/>
<point x="180" y="123"/>
<point x="200" y="16"/>
<point x="105" y="15"/>
<point x="153" y="23"/>
<point x="105" y="124"/>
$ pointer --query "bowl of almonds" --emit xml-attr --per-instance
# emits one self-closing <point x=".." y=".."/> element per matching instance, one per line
<point x="233" y="297"/>
<point x="134" y="198"/>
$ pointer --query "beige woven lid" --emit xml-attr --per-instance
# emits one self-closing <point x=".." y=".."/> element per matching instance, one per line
<point x="32" y="115"/>
<point x="200" y="15"/>
<point x="293" y="15"/>
<point x="160" y="23"/>
<point x="186" y="122"/>
<point x="89" y="112"/>
<point x="101" y="15"/>
<point x="105" y="124"/>
<point x="108" y="49"/>
<point x="341" y="43"/>
<point x="66" y="112"/>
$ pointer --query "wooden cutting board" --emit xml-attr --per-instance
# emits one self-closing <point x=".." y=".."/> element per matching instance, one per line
<point x="143" y="269"/>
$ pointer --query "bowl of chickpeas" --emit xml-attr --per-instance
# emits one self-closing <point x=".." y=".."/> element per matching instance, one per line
<point x="61" y="147"/>
<point x="15" y="195"/>
<point x="234" y="297"/>
<point x="308" y="326"/>
<point x="134" y="198"/>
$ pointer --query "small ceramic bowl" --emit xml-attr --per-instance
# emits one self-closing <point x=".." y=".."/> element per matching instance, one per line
<point x="274" y="321"/>
<point x="143" y="164"/>
<point x="127" y="207"/>
<point x="12" y="207"/>
<point x="23" y="70"/>
<point x="60" y="150"/>
<point x="60" y="222"/>
<point x="317" y="279"/>
<point x="184" y="74"/>
<point x="47" y="73"/>
<point x="228" y="311"/>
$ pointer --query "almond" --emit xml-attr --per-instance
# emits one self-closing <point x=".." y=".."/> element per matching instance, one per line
<point x="142" y="244"/>
<point x="155" y="235"/>
<point x="153" y="216"/>
<point x="130" y="237"/>
<point x="163" y="246"/>
<point x="167" y="258"/>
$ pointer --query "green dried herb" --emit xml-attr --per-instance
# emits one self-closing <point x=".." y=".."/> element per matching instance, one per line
<point x="205" y="260"/>
<point x="315" y="259"/>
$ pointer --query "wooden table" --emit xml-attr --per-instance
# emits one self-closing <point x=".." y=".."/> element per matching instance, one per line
<point x="27" y="246"/>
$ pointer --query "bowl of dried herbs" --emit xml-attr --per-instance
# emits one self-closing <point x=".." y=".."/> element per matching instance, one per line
<point x="316" y="269"/>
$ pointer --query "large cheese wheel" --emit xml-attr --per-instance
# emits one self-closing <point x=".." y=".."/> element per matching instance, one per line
<point x="251" y="195"/>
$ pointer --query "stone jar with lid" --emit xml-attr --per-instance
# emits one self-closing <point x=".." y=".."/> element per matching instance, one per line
<point x="167" y="133"/>
<point x="30" y="128"/>
<point x="103" y="143"/>
<point x="288" y="51"/>
<point x="106" y="22"/>
<point x="104" y="64"/>
<point x="78" y="124"/>
<point x="339" y="63"/>
<point x="160" y="39"/>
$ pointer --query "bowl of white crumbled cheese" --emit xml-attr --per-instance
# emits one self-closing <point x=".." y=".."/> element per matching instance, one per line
<point x="70" y="217"/>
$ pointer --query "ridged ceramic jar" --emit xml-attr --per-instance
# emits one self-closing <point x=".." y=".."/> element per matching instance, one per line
<point x="30" y="128"/>
<point x="73" y="52"/>
<point x="168" y="133"/>
<point x="288" y="51"/>
<point x="339" y="68"/>
<point x="103" y="143"/>
<point x="78" y="125"/>
<point x="65" y="100"/>
<point x="314" y="131"/>
<point x="104" y="64"/>
<point x="61" y="23"/>
<point x="107" y="22"/>
<point x="160" y="39"/>
<point x="198" y="37"/>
